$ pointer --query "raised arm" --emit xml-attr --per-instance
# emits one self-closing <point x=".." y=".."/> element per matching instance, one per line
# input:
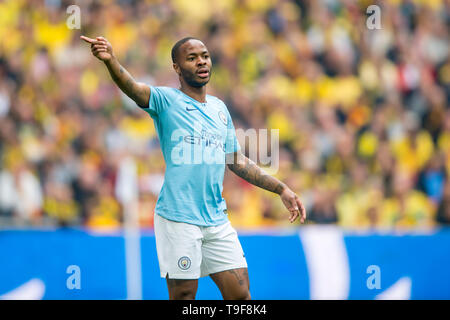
<point x="102" y="50"/>
<point x="249" y="171"/>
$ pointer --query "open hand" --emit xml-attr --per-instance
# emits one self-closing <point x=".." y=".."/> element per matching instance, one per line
<point x="100" y="47"/>
<point x="294" y="205"/>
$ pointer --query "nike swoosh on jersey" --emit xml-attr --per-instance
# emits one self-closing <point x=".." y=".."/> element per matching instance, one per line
<point x="193" y="109"/>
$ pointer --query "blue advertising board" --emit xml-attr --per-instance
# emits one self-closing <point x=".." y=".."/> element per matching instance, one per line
<point x="312" y="262"/>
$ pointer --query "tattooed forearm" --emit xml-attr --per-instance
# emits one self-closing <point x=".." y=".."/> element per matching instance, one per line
<point x="249" y="171"/>
<point x="136" y="91"/>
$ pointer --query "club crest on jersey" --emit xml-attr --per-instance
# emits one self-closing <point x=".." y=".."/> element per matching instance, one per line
<point x="184" y="263"/>
<point x="223" y="118"/>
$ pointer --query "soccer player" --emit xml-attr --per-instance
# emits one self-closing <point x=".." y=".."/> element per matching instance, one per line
<point x="194" y="237"/>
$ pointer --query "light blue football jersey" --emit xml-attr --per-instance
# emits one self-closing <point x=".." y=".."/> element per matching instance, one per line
<point x="194" y="139"/>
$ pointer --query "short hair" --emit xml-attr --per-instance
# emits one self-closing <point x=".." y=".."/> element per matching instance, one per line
<point x="178" y="45"/>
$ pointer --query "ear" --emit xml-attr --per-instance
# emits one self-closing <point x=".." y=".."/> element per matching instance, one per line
<point x="176" y="67"/>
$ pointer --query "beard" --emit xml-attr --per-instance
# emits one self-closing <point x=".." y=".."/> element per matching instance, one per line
<point x="192" y="79"/>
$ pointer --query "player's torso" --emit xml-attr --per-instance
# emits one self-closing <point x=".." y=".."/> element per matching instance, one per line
<point x="192" y="132"/>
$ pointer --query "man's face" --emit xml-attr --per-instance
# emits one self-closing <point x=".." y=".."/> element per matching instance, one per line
<point x="193" y="63"/>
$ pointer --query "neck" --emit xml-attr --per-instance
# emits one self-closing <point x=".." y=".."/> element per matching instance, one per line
<point x="197" y="93"/>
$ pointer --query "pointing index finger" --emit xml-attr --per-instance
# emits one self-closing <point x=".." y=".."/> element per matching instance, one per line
<point x="88" y="40"/>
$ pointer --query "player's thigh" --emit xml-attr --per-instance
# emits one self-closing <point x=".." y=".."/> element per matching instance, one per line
<point x="224" y="260"/>
<point x="179" y="250"/>
<point x="234" y="284"/>
<point x="221" y="250"/>
<point x="182" y="289"/>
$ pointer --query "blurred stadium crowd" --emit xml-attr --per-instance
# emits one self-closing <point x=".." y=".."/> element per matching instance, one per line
<point x="363" y="115"/>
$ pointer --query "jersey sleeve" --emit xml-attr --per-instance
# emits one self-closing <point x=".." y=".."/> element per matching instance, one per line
<point x="231" y="142"/>
<point x="159" y="100"/>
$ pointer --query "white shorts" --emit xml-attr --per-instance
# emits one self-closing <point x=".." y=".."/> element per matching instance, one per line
<point x="187" y="251"/>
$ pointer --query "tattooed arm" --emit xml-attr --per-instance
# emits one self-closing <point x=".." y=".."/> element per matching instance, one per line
<point x="139" y="92"/>
<point x="102" y="49"/>
<point x="249" y="171"/>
